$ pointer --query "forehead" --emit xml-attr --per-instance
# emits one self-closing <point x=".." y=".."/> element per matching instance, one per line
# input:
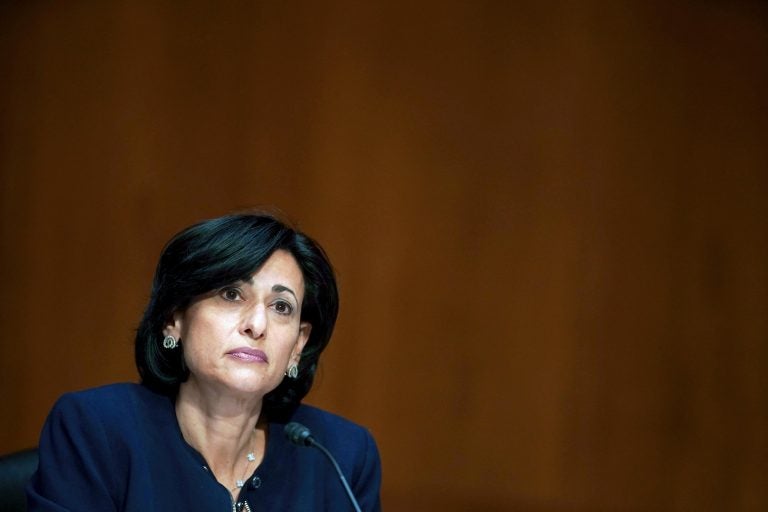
<point x="280" y="268"/>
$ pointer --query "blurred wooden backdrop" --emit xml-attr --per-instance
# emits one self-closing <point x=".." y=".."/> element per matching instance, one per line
<point x="549" y="221"/>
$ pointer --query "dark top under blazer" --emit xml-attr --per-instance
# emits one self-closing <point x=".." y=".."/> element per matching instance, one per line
<point x="119" y="448"/>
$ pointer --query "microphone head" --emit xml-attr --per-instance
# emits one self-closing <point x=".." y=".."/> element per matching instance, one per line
<point x="298" y="434"/>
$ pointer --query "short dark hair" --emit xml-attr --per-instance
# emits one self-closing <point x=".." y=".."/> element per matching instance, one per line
<point x="220" y="251"/>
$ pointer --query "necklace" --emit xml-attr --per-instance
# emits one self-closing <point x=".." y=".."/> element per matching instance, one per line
<point x="239" y="483"/>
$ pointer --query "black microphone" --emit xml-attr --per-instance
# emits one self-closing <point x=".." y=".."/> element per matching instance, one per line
<point x="300" y="435"/>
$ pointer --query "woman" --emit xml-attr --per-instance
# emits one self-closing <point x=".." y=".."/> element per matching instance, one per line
<point x="241" y="308"/>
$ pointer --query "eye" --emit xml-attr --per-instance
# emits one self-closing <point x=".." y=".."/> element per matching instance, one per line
<point x="231" y="293"/>
<point x="283" y="307"/>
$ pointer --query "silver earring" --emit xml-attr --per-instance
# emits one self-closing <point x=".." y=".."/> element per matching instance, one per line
<point x="293" y="371"/>
<point x="170" y="342"/>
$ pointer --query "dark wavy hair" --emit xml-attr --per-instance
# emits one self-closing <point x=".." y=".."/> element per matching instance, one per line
<point x="218" y="252"/>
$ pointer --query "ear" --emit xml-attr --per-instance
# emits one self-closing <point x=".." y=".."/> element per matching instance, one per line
<point x="173" y="325"/>
<point x="304" y="329"/>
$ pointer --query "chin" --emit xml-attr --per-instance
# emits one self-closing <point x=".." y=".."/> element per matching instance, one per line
<point x="251" y="385"/>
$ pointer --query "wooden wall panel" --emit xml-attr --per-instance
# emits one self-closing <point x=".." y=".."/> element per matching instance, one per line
<point x="549" y="223"/>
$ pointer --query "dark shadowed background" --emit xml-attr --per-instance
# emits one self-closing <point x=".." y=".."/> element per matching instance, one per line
<point x="549" y="222"/>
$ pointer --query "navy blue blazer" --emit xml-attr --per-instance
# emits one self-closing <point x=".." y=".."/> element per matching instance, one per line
<point x="119" y="448"/>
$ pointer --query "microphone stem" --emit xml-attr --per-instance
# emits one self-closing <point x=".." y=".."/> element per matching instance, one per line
<point x="338" y="470"/>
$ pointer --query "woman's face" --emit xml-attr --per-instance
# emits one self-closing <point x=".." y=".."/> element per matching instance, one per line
<point x="242" y="337"/>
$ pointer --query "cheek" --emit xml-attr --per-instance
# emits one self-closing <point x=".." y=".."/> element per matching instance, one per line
<point x="204" y="324"/>
<point x="199" y="338"/>
<point x="285" y="344"/>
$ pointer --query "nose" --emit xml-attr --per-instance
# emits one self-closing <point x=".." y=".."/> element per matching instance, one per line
<point x="254" y="321"/>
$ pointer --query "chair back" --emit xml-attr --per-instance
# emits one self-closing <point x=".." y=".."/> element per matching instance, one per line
<point x="15" y="471"/>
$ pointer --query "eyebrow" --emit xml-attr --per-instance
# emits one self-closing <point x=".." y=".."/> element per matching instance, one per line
<point x="280" y="288"/>
<point x="276" y="288"/>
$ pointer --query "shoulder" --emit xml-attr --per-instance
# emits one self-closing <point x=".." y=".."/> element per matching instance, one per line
<point x="111" y="421"/>
<point x="110" y="401"/>
<point x="92" y="446"/>
<point x="354" y="448"/>
<point x="324" y="424"/>
<point x="104" y="396"/>
<point x="344" y="438"/>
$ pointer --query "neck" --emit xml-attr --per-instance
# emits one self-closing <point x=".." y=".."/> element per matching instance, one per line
<point x="223" y="428"/>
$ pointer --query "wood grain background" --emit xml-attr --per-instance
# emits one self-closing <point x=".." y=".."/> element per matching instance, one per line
<point x="549" y="222"/>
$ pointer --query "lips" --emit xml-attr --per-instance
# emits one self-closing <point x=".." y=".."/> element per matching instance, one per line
<point x="248" y="354"/>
